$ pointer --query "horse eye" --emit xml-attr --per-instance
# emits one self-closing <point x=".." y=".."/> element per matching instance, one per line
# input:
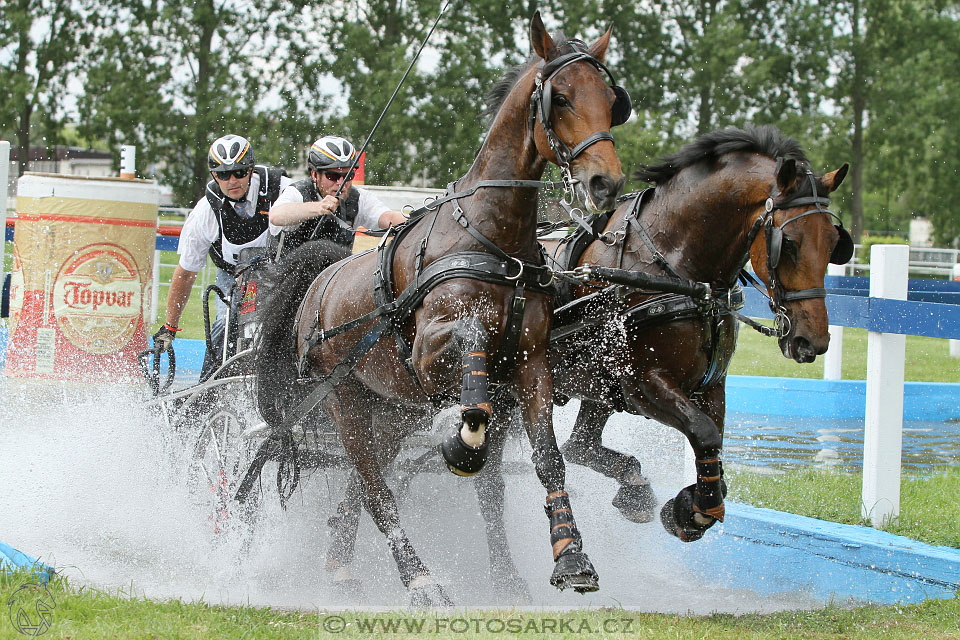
<point x="789" y="248"/>
<point x="560" y="100"/>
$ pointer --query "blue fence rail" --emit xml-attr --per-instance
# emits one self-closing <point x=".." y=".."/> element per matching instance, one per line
<point x="932" y="307"/>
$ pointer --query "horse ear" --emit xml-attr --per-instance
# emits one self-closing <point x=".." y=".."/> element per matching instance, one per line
<point x="786" y="174"/>
<point x="599" y="47"/>
<point x="833" y="179"/>
<point x="539" y="38"/>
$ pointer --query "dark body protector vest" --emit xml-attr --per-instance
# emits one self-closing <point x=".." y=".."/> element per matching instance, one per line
<point x="329" y="227"/>
<point x="236" y="232"/>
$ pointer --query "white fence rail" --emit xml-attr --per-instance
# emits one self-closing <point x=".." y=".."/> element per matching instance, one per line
<point x="923" y="261"/>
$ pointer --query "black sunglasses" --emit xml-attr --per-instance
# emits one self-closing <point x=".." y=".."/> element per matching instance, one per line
<point x="239" y="174"/>
<point x="333" y="176"/>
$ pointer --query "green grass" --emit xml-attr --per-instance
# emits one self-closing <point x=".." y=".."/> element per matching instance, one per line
<point x="927" y="359"/>
<point x="83" y="612"/>
<point x="925" y="502"/>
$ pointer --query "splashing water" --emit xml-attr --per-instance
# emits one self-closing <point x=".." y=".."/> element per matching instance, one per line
<point x="93" y="486"/>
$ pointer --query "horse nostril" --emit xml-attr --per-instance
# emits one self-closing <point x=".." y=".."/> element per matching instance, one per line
<point x="602" y="187"/>
<point x="803" y="350"/>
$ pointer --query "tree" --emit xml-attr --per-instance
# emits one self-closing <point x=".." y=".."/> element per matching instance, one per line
<point x="40" y="41"/>
<point x="916" y="126"/>
<point x="693" y="67"/>
<point x="870" y="41"/>
<point x="172" y="77"/>
<point x="433" y="129"/>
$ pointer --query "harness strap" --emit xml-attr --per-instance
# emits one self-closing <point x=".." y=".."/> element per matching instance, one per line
<point x="447" y="197"/>
<point x="747" y="277"/>
<point x="632" y="216"/>
<point x="658" y="257"/>
<point x="641" y="280"/>
<point x="469" y="264"/>
<point x="510" y="346"/>
<point x="770" y="332"/>
<point x="586" y="142"/>
<point x="461" y="218"/>
<point x="815" y="292"/>
<point x="580" y="220"/>
<point x="329" y="382"/>
<point x="316" y="322"/>
<point x="319" y="335"/>
<point x="383" y="293"/>
<point x="717" y="367"/>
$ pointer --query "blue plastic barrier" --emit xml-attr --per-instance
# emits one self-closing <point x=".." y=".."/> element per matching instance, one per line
<point x="12" y="560"/>
<point x="773" y="552"/>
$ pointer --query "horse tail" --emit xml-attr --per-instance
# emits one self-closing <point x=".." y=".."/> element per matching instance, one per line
<point x="275" y="357"/>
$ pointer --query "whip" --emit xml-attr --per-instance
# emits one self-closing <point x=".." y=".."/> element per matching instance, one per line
<point x="382" y="114"/>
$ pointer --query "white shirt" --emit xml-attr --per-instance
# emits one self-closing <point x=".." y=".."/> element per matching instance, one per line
<point x="369" y="209"/>
<point x="201" y="228"/>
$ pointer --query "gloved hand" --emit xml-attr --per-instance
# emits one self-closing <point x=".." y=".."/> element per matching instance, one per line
<point x="163" y="338"/>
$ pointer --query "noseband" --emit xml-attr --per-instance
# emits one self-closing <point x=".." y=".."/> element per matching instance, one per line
<point x="540" y="106"/>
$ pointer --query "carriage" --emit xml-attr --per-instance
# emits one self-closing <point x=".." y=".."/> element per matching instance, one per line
<point x="217" y="423"/>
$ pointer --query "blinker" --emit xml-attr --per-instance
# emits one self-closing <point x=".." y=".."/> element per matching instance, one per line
<point x="622" y="104"/>
<point x="844" y="249"/>
<point x="774" y="244"/>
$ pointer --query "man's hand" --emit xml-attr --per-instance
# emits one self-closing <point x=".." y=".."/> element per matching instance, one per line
<point x="163" y="338"/>
<point x="328" y="205"/>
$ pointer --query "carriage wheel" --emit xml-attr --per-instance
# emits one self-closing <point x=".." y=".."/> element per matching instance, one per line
<point x="222" y="456"/>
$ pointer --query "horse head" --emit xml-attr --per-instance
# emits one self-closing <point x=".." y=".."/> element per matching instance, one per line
<point x="572" y="109"/>
<point x="796" y="239"/>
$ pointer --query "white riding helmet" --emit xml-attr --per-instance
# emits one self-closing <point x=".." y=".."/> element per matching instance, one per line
<point x="331" y="152"/>
<point x="230" y="153"/>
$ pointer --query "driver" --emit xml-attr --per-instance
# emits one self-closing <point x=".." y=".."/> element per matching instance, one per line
<point x="231" y="216"/>
<point x="308" y="208"/>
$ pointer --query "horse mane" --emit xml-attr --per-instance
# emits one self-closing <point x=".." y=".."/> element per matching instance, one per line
<point x="505" y="85"/>
<point x="765" y="139"/>
<point x="275" y="357"/>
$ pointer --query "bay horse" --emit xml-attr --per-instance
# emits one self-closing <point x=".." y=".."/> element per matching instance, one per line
<point x="731" y="195"/>
<point x="462" y="282"/>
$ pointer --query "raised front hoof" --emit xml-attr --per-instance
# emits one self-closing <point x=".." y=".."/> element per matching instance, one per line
<point x="461" y="458"/>
<point x="575" y="571"/>
<point x="636" y="502"/>
<point x="427" y="594"/>
<point x="679" y="518"/>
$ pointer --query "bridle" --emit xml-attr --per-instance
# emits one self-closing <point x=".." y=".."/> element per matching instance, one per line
<point x="773" y="235"/>
<point x="541" y="106"/>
